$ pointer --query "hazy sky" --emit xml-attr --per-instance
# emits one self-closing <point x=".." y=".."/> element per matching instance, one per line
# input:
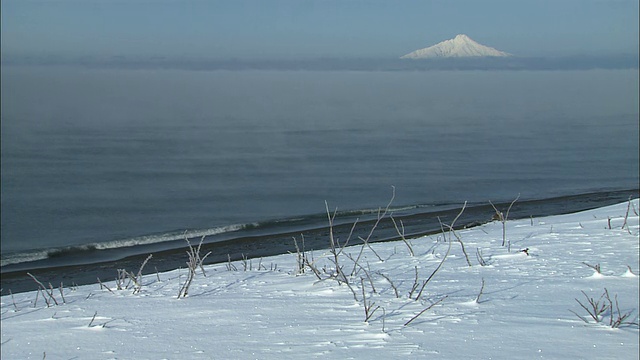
<point x="253" y="29"/>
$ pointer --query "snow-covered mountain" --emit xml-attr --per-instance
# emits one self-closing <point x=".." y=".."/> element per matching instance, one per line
<point x="460" y="46"/>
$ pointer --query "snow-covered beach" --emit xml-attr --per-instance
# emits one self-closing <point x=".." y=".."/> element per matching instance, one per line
<point x="516" y="301"/>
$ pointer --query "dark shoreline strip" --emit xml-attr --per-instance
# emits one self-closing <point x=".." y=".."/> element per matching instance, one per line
<point x="315" y="239"/>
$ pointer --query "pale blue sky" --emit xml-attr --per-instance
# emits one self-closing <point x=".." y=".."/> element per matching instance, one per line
<point x="254" y="29"/>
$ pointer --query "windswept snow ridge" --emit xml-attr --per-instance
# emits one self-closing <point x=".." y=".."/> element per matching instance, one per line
<point x="460" y="46"/>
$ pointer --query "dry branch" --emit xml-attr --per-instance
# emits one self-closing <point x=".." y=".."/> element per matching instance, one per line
<point x="195" y="262"/>
<point x="425" y="310"/>
<point x="401" y="232"/>
<point x="45" y="290"/>
<point x="424" y="284"/>
<point x="503" y="218"/>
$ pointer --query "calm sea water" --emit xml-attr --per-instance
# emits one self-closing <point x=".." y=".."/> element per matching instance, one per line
<point x="113" y="158"/>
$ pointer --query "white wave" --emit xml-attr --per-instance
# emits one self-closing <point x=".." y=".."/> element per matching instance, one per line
<point x="35" y="255"/>
<point x="23" y="257"/>
<point x="154" y="239"/>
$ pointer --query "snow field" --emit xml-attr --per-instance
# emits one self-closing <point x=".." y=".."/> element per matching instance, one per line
<point x="271" y="312"/>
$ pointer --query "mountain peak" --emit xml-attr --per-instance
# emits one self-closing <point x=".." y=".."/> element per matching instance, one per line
<point x="460" y="46"/>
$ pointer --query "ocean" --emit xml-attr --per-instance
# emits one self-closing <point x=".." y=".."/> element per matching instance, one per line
<point x="99" y="165"/>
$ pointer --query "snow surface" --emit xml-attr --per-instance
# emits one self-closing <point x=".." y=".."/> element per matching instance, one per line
<point x="270" y="312"/>
<point x="460" y="46"/>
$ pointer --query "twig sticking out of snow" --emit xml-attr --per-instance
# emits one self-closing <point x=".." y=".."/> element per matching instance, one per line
<point x="480" y="293"/>
<point x="595" y="267"/>
<point x="368" y="305"/>
<point x="424" y="310"/>
<point x="195" y="262"/>
<point x="365" y="241"/>
<point x="13" y="300"/>
<point x="503" y="218"/>
<point x="393" y="286"/>
<point x="626" y="216"/>
<point x="401" y="232"/>
<point x="597" y="309"/>
<point x="480" y="258"/>
<point x="424" y="284"/>
<point x="92" y="319"/>
<point x="45" y="290"/>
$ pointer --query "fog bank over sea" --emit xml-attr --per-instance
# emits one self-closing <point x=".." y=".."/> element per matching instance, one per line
<point x="573" y="62"/>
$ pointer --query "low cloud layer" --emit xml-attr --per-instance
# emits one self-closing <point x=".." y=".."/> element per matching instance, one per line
<point x="342" y="64"/>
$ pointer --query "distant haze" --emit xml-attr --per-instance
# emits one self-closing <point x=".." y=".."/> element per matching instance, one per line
<point x="510" y="63"/>
<point x="292" y="29"/>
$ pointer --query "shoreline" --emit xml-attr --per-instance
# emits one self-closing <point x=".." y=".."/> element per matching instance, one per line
<point x="16" y="280"/>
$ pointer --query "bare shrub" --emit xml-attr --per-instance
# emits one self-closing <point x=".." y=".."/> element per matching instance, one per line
<point x="459" y="239"/>
<point x="503" y="218"/>
<point x="598" y="308"/>
<point x="62" y="294"/>
<point x="137" y="278"/>
<point x="195" y="262"/>
<point x="246" y="263"/>
<point x="442" y="226"/>
<point x="401" y="232"/>
<point x="121" y="279"/>
<point x="616" y="317"/>
<point x="230" y="266"/>
<point x="104" y="286"/>
<point x="335" y="249"/>
<point x="480" y="257"/>
<point x="300" y="256"/>
<point x="125" y="278"/>
<point x="393" y="286"/>
<point x="595" y="267"/>
<point x="361" y="272"/>
<point x="626" y="215"/>
<point x="47" y="293"/>
<point x="369" y="309"/>
<point x="302" y="260"/>
<point x="365" y="241"/>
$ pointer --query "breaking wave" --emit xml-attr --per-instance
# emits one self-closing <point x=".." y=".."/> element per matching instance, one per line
<point x="117" y="249"/>
<point x="264" y="227"/>
<point x="78" y="250"/>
